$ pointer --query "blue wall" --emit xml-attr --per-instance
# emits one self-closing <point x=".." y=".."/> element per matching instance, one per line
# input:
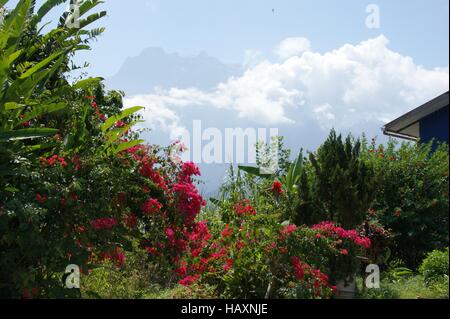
<point x="435" y="126"/>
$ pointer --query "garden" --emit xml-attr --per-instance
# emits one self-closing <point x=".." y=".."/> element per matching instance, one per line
<point x="79" y="187"/>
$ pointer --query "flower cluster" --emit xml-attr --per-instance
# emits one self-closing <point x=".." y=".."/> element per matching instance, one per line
<point x="244" y="208"/>
<point x="190" y="201"/>
<point x="330" y="229"/>
<point x="314" y="278"/>
<point x="117" y="256"/>
<point x="277" y="187"/>
<point x="103" y="223"/>
<point x="53" y="160"/>
<point x="94" y="105"/>
<point x="151" y="206"/>
<point x="188" y="170"/>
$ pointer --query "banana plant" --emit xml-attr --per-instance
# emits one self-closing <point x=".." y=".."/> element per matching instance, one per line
<point x="112" y="135"/>
<point x="18" y="101"/>
<point x="294" y="173"/>
<point x="292" y="177"/>
<point x="29" y="62"/>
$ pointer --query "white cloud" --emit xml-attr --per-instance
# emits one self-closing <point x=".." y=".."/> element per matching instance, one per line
<point x="349" y="87"/>
<point x="292" y="47"/>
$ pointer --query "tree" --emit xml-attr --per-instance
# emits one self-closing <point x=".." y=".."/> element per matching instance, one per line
<point x="337" y="183"/>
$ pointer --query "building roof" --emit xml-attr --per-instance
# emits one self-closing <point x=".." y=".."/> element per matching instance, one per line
<point x="408" y="125"/>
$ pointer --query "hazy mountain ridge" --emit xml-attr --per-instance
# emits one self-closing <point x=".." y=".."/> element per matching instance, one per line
<point x="154" y="67"/>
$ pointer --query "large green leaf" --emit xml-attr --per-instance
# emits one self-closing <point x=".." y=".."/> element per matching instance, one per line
<point x="23" y="134"/>
<point x="83" y="84"/>
<point x="41" y="110"/>
<point x="253" y="171"/>
<point x="45" y="8"/>
<point x="13" y="26"/>
<point x="294" y="172"/>
<point x="125" y="113"/>
<point x="40" y="65"/>
<point x="127" y="145"/>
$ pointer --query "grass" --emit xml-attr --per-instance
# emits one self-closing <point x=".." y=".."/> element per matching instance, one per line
<point x="411" y="287"/>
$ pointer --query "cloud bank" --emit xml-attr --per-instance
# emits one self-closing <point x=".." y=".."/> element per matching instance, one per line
<point x="351" y="86"/>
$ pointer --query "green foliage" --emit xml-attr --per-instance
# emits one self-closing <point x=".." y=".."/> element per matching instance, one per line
<point x="110" y="282"/>
<point x="338" y="183"/>
<point x="52" y="153"/>
<point x="410" y="197"/>
<point x="434" y="267"/>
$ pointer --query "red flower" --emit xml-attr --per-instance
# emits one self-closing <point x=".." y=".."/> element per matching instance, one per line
<point x="228" y="265"/>
<point x="41" y="198"/>
<point x="227" y="232"/>
<point x="51" y="161"/>
<point x="344" y="252"/>
<point x="151" y="250"/>
<point x="130" y="220"/>
<point x="289" y="229"/>
<point x="119" y="124"/>
<point x="330" y="229"/>
<point x="182" y="271"/>
<point x="170" y="233"/>
<point x="119" y="257"/>
<point x="103" y="223"/>
<point x="277" y="187"/>
<point x="244" y="208"/>
<point x="76" y="162"/>
<point x="299" y="267"/>
<point x="189" y="169"/>
<point x="189" y="280"/>
<point x="151" y="206"/>
<point x="189" y="200"/>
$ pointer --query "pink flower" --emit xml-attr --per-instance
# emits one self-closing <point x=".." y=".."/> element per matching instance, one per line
<point x="344" y="252"/>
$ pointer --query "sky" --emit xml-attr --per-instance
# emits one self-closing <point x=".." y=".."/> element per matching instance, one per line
<point x="226" y="29"/>
<point x="300" y="66"/>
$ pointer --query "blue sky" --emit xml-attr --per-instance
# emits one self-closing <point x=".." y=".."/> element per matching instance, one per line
<point x="224" y="29"/>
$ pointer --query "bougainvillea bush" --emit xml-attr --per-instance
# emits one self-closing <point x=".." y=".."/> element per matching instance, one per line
<point x="252" y="252"/>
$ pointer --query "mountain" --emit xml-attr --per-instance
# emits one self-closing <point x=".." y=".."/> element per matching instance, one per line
<point x="156" y="68"/>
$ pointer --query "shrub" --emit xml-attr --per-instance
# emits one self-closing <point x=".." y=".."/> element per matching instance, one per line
<point x="410" y="197"/>
<point x="434" y="267"/>
<point x="252" y="254"/>
<point x="336" y="185"/>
